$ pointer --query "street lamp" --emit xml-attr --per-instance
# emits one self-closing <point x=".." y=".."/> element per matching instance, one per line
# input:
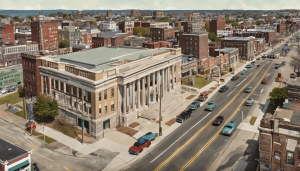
<point x="242" y="114"/>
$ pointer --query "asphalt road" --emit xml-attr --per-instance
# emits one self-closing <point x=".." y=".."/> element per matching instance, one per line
<point x="196" y="143"/>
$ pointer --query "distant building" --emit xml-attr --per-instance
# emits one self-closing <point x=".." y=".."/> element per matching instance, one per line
<point x="135" y="40"/>
<point x="109" y="25"/>
<point x="10" y="78"/>
<point x="161" y="34"/>
<point x="244" y="44"/>
<point x="13" y="157"/>
<point x="79" y="12"/>
<point x="70" y="33"/>
<point x="109" y="14"/>
<point x="281" y="28"/>
<point x="23" y="37"/>
<point x="158" y="14"/>
<point x="268" y="35"/>
<point x="87" y="39"/>
<point x="217" y="23"/>
<point x="224" y="33"/>
<point x="7" y="34"/>
<point x="109" y="39"/>
<point x="127" y="27"/>
<point x="135" y="13"/>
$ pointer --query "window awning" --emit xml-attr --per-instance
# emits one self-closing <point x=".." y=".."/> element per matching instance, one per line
<point x="18" y="166"/>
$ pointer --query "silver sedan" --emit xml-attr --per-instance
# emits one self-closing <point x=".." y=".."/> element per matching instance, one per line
<point x="249" y="102"/>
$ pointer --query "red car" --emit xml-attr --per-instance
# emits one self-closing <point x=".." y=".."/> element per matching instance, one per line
<point x="139" y="146"/>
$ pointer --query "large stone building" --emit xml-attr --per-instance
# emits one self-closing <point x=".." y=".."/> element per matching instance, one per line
<point x="107" y="86"/>
<point x="161" y="33"/>
<point x="217" y="23"/>
<point x="135" y="13"/>
<point x="72" y="34"/>
<point x="244" y="44"/>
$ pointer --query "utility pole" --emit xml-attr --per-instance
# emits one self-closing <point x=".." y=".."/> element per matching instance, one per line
<point x="24" y="107"/>
<point x="160" y="97"/>
<point x="82" y="126"/>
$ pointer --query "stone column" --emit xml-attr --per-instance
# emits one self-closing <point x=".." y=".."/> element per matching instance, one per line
<point x="138" y="93"/>
<point x="173" y="83"/>
<point x="42" y="84"/>
<point x="154" y="89"/>
<point x="65" y="88"/>
<point x="148" y="90"/>
<point x="143" y="92"/>
<point x="59" y="88"/>
<point x="50" y="93"/>
<point x="124" y="98"/>
<point x="54" y="83"/>
<point x="130" y="97"/>
<point x="158" y="82"/>
<point x="168" y="79"/>
<point x="163" y="81"/>
<point x="133" y="96"/>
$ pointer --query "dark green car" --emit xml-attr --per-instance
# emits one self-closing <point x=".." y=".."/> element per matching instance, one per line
<point x="211" y="105"/>
<point x="194" y="105"/>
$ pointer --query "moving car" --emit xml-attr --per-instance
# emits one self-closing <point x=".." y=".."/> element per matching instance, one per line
<point x="276" y="67"/>
<point x="235" y="78"/>
<point x="244" y="71"/>
<point x="257" y="65"/>
<point x="264" y="81"/>
<point x="223" y="88"/>
<point x="211" y="105"/>
<point x="139" y="146"/>
<point x="249" y="65"/>
<point x="229" y="128"/>
<point x="149" y="136"/>
<point x="183" y="116"/>
<point x="218" y="120"/>
<point x="249" y="102"/>
<point x="249" y="89"/>
<point x="194" y="105"/>
<point x="203" y="96"/>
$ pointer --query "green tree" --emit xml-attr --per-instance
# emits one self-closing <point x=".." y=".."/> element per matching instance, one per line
<point x="65" y="16"/>
<point x="206" y="26"/>
<point x="45" y="108"/>
<point x="21" y="92"/>
<point x="165" y="19"/>
<point x="139" y="31"/>
<point x="52" y="15"/>
<point x="147" y="32"/>
<point x="212" y="36"/>
<point x="278" y="96"/>
<point x="2" y="16"/>
<point x="258" y="22"/>
<point x="64" y="43"/>
<point x="235" y="23"/>
<point x="218" y="40"/>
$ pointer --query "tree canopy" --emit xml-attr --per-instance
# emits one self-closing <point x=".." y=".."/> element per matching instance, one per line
<point x="45" y="108"/>
<point x="141" y="31"/>
<point x="64" y="43"/>
<point x="235" y="23"/>
<point x="278" y="96"/>
<point x="165" y="19"/>
<point x="258" y="22"/>
<point x="212" y="36"/>
<point x="21" y="92"/>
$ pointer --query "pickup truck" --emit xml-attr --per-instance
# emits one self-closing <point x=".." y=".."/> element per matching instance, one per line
<point x="203" y="96"/>
<point x="139" y="146"/>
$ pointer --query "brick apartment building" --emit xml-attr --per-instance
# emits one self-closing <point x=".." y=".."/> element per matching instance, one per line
<point x="135" y="13"/>
<point x="46" y="34"/>
<point x="217" y="23"/>
<point x="87" y="39"/>
<point x="160" y="44"/>
<point x="23" y="37"/>
<point x="268" y="35"/>
<point x="127" y="27"/>
<point x="162" y="33"/>
<point x="158" y="14"/>
<point x="109" y="14"/>
<point x="210" y="64"/>
<point x="279" y="141"/>
<point x="7" y="34"/>
<point x="142" y="24"/>
<point x="196" y="44"/>
<point x="281" y="28"/>
<point x="108" y="41"/>
<point x="244" y="44"/>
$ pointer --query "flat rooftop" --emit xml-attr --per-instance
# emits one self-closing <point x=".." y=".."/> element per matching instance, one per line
<point x="226" y="50"/>
<point x="97" y="57"/>
<point x="9" y="151"/>
<point x="237" y="38"/>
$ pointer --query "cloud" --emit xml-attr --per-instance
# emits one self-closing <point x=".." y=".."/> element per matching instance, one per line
<point x="153" y="4"/>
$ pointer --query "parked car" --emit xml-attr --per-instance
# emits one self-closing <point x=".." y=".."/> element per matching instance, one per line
<point x="244" y="71"/>
<point x="211" y="105"/>
<point x="4" y="91"/>
<point x="249" y="89"/>
<point x="218" y="120"/>
<point x="223" y="88"/>
<point x="139" y="146"/>
<point x="293" y="75"/>
<point x="149" y="136"/>
<point x="229" y="128"/>
<point x="264" y="81"/>
<point x="249" y="102"/>
<point x="184" y="116"/>
<point x="194" y="105"/>
<point x="276" y="67"/>
<point x="203" y="96"/>
<point x="249" y="65"/>
<point x="235" y="78"/>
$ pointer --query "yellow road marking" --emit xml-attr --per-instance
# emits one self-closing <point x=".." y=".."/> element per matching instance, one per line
<point x="7" y="135"/>
<point x="67" y="169"/>
<point x="218" y="132"/>
<point x="31" y="145"/>
<point x="208" y="123"/>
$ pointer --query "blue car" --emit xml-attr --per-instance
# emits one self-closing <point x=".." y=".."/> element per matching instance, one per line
<point x="229" y="128"/>
<point x="150" y="136"/>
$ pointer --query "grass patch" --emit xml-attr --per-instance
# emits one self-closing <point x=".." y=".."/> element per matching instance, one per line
<point x="126" y="130"/>
<point x="170" y="122"/>
<point x="41" y="137"/>
<point x="213" y="88"/>
<point x="252" y="120"/>
<point x="242" y="61"/>
<point x="20" y="113"/>
<point x="208" y="92"/>
<point x="11" y="99"/>
<point x="190" y="97"/>
<point x="21" y="107"/>
<point x="198" y="82"/>
<point x="134" y="124"/>
<point x="271" y="108"/>
<point x="292" y="45"/>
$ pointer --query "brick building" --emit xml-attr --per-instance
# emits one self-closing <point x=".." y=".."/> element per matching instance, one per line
<point x="281" y="28"/>
<point x="87" y="39"/>
<point x="142" y="24"/>
<point x="109" y="14"/>
<point x="196" y="44"/>
<point x="279" y="141"/>
<point x="217" y="23"/>
<point x="158" y="14"/>
<point x="108" y="41"/>
<point x="127" y="27"/>
<point x="7" y="34"/>
<point x="23" y="37"/>
<point x="162" y="33"/>
<point x="46" y="34"/>
<point x="268" y="35"/>
<point x="135" y="13"/>
<point x="160" y="44"/>
<point x="210" y="65"/>
<point x="244" y="44"/>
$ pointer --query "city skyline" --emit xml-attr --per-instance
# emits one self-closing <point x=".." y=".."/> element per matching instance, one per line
<point x="155" y="5"/>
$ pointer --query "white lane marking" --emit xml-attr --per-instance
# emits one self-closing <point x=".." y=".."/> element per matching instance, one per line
<point x="250" y="74"/>
<point x="241" y="82"/>
<point x="261" y="91"/>
<point x="45" y="157"/>
<point x="179" y="138"/>
<point x="230" y="92"/>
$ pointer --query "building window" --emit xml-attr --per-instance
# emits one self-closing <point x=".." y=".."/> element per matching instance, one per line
<point x="99" y="96"/>
<point x="61" y="86"/>
<point x="99" y="110"/>
<point x="277" y="155"/>
<point x="112" y="92"/>
<point x="106" y="124"/>
<point x="113" y="107"/>
<point x="105" y="94"/>
<point x="174" y="68"/>
<point x="105" y="109"/>
<point x="290" y="158"/>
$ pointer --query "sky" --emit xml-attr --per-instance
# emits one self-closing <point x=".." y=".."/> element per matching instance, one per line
<point x="149" y="4"/>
